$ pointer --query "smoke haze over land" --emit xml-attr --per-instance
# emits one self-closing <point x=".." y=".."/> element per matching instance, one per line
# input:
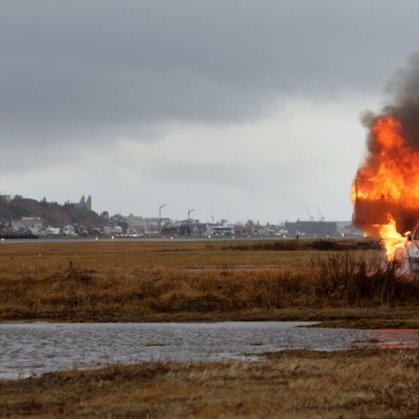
<point x="239" y="109"/>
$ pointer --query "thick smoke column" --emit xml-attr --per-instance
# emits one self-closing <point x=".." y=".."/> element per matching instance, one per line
<point x="405" y="107"/>
<point x="385" y="191"/>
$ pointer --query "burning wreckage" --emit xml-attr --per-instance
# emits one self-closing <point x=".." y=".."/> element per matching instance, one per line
<point x="385" y="192"/>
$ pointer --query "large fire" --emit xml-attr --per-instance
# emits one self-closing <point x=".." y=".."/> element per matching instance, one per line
<point x="385" y="191"/>
<point x="393" y="241"/>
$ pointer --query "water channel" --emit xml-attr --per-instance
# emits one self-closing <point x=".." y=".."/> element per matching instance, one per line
<point x="28" y="349"/>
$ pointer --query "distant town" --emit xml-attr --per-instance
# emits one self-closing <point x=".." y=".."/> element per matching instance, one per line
<point x="27" y="218"/>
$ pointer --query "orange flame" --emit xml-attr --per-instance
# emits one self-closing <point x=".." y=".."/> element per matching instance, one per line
<point x="393" y="241"/>
<point x="385" y="191"/>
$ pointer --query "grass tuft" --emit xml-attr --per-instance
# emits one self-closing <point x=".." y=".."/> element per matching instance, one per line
<point x="355" y="279"/>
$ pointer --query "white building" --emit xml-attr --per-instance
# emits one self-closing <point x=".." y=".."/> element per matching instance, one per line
<point x="28" y="224"/>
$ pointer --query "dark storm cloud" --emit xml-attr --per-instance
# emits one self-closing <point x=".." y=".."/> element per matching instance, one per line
<point x="97" y="69"/>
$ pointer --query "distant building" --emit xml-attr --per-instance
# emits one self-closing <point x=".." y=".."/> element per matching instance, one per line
<point x="145" y="225"/>
<point x="346" y="228"/>
<point x="68" y="230"/>
<point x="112" y="229"/>
<point x="82" y="202"/>
<point x="85" y="203"/>
<point x="89" y="202"/>
<point x="312" y="228"/>
<point x="5" y="198"/>
<point x="135" y="224"/>
<point x="184" y="228"/>
<point x="32" y="225"/>
<point x="52" y="231"/>
<point x="226" y="230"/>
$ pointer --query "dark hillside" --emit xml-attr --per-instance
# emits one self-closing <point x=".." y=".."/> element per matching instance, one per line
<point x="54" y="213"/>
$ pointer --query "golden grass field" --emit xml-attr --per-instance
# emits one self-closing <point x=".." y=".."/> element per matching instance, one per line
<point x="198" y="280"/>
<point x="195" y="280"/>
<point x="292" y="384"/>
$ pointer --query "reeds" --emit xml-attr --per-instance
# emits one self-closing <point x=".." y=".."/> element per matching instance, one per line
<point x="88" y="291"/>
<point x="316" y="244"/>
<point x="349" y="278"/>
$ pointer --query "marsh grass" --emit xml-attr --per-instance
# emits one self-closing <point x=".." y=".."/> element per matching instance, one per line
<point x="130" y="281"/>
<point x="356" y="280"/>
<point x="289" y="384"/>
<point x="307" y="244"/>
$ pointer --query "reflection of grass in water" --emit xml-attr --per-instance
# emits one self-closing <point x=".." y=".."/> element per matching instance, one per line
<point x="292" y="384"/>
<point x="370" y="340"/>
<point x="256" y="343"/>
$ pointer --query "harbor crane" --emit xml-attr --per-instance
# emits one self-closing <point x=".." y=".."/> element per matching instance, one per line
<point x="320" y="214"/>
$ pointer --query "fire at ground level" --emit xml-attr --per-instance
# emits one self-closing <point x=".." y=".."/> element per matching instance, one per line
<point x="385" y="192"/>
<point x="387" y="219"/>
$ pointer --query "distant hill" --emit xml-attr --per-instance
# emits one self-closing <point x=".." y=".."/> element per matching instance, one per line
<point x="54" y="213"/>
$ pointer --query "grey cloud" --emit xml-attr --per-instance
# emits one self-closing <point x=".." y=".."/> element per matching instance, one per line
<point x="231" y="176"/>
<point x="95" y="69"/>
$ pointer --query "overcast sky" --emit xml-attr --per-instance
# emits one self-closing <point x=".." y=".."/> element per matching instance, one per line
<point x="241" y="109"/>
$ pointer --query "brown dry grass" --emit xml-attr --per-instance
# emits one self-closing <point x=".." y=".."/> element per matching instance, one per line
<point x="128" y="281"/>
<point x="300" y="384"/>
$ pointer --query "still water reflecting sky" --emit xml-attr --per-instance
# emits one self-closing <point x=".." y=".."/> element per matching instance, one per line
<point x="34" y="348"/>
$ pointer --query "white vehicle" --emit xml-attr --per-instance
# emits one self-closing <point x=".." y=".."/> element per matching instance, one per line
<point x="412" y="251"/>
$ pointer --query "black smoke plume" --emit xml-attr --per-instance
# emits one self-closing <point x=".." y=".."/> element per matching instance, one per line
<point x="403" y="105"/>
<point x="404" y="89"/>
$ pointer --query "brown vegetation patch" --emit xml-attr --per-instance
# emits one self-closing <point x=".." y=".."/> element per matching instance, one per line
<point x="293" y="384"/>
<point x="317" y="244"/>
<point x="138" y="281"/>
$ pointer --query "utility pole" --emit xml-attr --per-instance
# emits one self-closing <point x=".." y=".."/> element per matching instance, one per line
<point x="160" y="208"/>
<point x="190" y="211"/>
